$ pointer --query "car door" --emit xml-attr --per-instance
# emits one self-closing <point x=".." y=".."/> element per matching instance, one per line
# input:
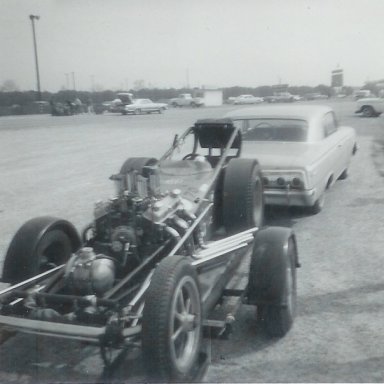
<point x="146" y="105"/>
<point x="334" y="143"/>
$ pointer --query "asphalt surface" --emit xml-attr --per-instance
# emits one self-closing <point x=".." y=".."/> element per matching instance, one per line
<point x="60" y="166"/>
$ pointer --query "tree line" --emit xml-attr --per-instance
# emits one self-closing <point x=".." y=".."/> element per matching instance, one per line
<point x="22" y="98"/>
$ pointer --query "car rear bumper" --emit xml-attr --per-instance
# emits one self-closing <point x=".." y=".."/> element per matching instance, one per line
<point x="289" y="197"/>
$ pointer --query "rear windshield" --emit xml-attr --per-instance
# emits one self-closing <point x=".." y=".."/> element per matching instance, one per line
<point x="273" y="129"/>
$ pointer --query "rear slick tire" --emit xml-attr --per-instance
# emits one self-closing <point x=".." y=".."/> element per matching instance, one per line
<point x="243" y="202"/>
<point x="39" y="245"/>
<point x="137" y="164"/>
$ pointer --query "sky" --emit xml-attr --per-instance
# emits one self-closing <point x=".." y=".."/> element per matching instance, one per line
<point x="114" y="44"/>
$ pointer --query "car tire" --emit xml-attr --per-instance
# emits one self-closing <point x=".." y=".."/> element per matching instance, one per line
<point x="137" y="164"/>
<point x="40" y="244"/>
<point x="272" y="285"/>
<point x="175" y="105"/>
<point x="318" y="206"/>
<point x="243" y="202"/>
<point x="172" y="322"/>
<point x="344" y="174"/>
<point x="368" y="111"/>
<point x="137" y="111"/>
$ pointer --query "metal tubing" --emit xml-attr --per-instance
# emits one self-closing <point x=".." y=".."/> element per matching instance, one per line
<point x="31" y="280"/>
<point x="56" y="298"/>
<point x="70" y="331"/>
<point x="125" y="281"/>
<point x="142" y="290"/>
<point x="206" y="260"/>
<point x="243" y="233"/>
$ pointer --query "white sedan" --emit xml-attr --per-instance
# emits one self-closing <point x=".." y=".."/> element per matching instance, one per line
<point x="247" y="99"/>
<point x="144" y="106"/>
<point x="302" y="151"/>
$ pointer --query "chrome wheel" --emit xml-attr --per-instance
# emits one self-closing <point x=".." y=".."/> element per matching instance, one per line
<point x="185" y="323"/>
<point x="172" y="322"/>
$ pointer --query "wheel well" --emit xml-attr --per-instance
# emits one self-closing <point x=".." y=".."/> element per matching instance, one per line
<point x="329" y="182"/>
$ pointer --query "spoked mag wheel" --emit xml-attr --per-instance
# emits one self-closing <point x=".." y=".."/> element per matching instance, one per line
<point x="172" y="322"/>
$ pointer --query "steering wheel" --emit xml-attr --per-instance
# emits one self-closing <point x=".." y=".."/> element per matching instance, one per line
<point x="191" y="156"/>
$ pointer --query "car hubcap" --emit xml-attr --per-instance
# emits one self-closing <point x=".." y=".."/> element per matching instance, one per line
<point x="185" y="324"/>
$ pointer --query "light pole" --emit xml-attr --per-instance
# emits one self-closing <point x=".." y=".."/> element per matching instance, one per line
<point x="73" y="81"/>
<point x="33" y="17"/>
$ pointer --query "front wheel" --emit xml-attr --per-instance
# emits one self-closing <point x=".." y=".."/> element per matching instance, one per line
<point x="172" y="322"/>
<point x="137" y="111"/>
<point x="272" y="283"/>
<point x="368" y="111"/>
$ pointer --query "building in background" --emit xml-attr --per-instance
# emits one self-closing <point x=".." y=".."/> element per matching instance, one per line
<point x="213" y="97"/>
<point x="337" y="81"/>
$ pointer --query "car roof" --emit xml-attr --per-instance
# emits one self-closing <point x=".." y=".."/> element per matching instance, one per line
<point x="300" y="111"/>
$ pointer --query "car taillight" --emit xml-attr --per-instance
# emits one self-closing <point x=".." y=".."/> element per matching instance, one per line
<point x="265" y="181"/>
<point x="281" y="181"/>
<point x="296" y="182"/>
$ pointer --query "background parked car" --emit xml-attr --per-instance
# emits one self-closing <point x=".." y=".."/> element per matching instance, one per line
<point x="370" y="107"/>
<point x="302" y="151"/>
<point x="186" y="100"/>
<point x="247" y="99"/>
<point x="144" y="106"/>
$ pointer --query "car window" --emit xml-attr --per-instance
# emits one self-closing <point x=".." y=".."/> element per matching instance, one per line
<point x="329" y="124"/>
<point x="273" y="129"/>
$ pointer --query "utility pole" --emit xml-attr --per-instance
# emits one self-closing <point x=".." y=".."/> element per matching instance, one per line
<point x="73" y="81"/>
<point x="33" y="18"/>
